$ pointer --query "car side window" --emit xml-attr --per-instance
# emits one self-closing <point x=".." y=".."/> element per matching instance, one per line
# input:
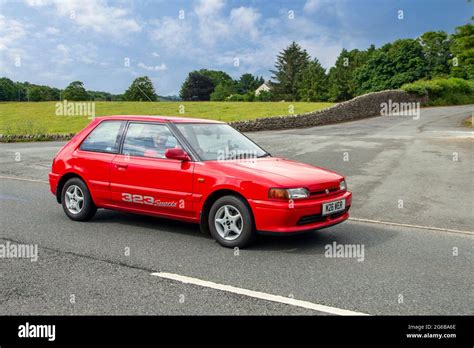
<point x="148" y="140"/>
<point x="104" y="138"/>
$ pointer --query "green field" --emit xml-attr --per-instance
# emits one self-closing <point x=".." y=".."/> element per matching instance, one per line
<point x="20" y="118"/>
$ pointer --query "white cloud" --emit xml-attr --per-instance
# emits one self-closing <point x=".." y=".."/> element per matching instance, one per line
<point x="12" y="52"/>
<point x="93" y="14"/>
<point x="246" y="19"/>
<point x="76" y="53"/>
<point x="11" y="31"/>
<point x="212" y="23"/>
<point x="312" y="5"/>
<point x="160" y="67"/>
<point x="52" y="31"/>
<point x="49" y="33"/>
<point x="37" y="2"/>
<point x="63" y="49"/>
<point x="207" y="8"/>
<point x="205" y="27"/>
<point x="171" y="33"/>
<point x="325" y="50"/>
<point x="63" y="55"/>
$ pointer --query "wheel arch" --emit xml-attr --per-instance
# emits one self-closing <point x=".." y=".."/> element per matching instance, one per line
<point x="63" y="180"/>
<point x="214" y="196"/>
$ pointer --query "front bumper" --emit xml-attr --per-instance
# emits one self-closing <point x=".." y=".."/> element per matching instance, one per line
<point x="302" y="215"/>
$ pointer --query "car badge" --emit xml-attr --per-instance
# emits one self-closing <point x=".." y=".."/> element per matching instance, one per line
<point x="327" y="191"/>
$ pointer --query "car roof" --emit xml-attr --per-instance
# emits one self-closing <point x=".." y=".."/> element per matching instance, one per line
<point x="172" y="119"/>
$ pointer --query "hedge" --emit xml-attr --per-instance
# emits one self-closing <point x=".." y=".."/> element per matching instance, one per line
<point x="443" y="91"/>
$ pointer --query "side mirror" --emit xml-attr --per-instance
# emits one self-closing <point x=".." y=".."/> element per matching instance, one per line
<point x="177" y="154"/>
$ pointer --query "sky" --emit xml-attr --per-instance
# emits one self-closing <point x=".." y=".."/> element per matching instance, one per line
<point x="108" y="43"/>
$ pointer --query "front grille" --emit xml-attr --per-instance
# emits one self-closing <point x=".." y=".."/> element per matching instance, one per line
<point x="309" y="219"/>
<point x="330" y="191"/>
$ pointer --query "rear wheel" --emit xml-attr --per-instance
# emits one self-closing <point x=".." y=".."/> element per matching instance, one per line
<point x="231" y="222"/>
<point x="77" y="201"/>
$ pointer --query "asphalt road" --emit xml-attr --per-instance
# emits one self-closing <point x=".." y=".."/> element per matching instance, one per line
<point x="405" y="270"/>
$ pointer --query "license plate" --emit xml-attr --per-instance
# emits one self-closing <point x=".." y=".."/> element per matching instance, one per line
<point x="334" y="207"/>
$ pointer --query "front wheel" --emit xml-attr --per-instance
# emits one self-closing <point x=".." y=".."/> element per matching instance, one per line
<point x="231" y="222"/>
<point x="77" y="201"/>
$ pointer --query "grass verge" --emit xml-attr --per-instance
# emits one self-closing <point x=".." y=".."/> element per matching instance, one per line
<point x="30" y="118"/>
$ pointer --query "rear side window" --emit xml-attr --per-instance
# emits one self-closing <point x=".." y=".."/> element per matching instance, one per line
<point x="104" y="138"/>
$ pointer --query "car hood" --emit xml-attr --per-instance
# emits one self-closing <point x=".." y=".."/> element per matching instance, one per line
<point x="282" y="172"/>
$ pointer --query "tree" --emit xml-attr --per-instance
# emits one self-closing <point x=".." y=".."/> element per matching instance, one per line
<point x="35" y="94"/>
<point x="75" y="91"/>
<point x="141" y="89"/>
<point x="264" y="96"/>
<point x="249" y="83"/>
<point x="102" y="96"/>
<point x="196" y="87"/>
<point x="391" y="66"/>
<point x="216" y="76"/>
<point x="462" y="47"/>
<point x="22" y="91"/>
<point x="436" y="52"/>
<point x="342" y="85"/>
<point x="314" y="84"/>
<point x="290" y="65"/>
<point x="8" y="90"/>
<point x="224" y="90"/>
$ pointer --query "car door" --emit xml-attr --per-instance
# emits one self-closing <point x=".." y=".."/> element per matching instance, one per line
<point x="143" y="179"/>
<point x="93" y="158"/>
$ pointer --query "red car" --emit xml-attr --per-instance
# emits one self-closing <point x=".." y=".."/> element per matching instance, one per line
<point x="195" y="170"/>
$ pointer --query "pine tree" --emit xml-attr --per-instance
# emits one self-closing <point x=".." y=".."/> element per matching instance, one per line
<point x="290" y="64"/>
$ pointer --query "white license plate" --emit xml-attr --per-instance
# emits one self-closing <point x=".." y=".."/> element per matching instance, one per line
<point x="334" y="207"/>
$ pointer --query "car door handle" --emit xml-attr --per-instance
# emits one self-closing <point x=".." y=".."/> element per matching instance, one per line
<point x="121" y="166"/>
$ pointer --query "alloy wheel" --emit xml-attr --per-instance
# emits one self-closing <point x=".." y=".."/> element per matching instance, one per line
<point x="228" y="222"/>
<point x="74" y="199"/>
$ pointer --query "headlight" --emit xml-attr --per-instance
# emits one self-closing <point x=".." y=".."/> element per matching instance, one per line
<point x="295" y="193"/>
<point x="343" y="185"/>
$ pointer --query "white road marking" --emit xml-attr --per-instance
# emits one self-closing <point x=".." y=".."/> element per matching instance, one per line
<point x="256" y="294"/>
<point x="462" y="133"/>
<point x="23" y="179"/>
<point x="411" y="226"/>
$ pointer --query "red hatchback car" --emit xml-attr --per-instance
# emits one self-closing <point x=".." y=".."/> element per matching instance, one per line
<point x="195" y="170"/>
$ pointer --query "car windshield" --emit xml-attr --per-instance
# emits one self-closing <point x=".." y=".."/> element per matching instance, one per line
<point x="216" y="141"/>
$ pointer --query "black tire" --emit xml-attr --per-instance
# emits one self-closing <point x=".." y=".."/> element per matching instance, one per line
<point x="88" y="208"/>
<point x="247" y="233"/>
